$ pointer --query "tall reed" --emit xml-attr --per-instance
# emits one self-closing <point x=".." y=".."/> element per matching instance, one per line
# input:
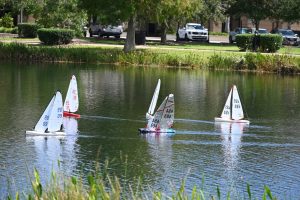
<point x="278" y="63"/>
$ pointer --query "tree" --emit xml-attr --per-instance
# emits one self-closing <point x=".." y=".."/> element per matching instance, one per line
<point x="256" y="10"/>
<point x="121" y="10"/>
<point x="286" y="10"/>
<point x="168" y="12"/>
<point x="62" y="14"/>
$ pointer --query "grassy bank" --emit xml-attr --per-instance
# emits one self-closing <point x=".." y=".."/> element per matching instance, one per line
<point x="217" y="60"/>
<point x="105" y="186"/>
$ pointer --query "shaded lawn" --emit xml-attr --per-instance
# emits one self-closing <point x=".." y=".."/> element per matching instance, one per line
<point x="182" y="45"/>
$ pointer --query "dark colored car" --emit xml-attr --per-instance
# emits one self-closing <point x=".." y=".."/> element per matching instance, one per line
<point x="289" y="37"/>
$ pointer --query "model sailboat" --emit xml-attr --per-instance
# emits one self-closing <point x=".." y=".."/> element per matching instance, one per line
<point x="51" y="121"/>
<point x="71" y="102"/>
<point x="232" y="111"/>
<point x="163" y="119"/>
<point x="150" y="112"/>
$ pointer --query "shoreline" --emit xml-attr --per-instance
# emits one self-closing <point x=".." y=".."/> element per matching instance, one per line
<point x="148" y="57"/>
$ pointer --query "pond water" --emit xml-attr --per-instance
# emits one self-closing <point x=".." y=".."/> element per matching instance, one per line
<point x="113" y="103"/>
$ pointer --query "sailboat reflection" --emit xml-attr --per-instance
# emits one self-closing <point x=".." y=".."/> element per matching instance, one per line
<point x="231" y="134"/>
<point x="70" y="126"/>
<point x="51" y="149"/>
<point x="161" y="153"/>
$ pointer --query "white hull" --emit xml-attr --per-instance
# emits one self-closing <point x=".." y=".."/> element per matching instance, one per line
<point x="219" y="119"/>
<point x="146" y="130"/>
<point x="36" y="133"/>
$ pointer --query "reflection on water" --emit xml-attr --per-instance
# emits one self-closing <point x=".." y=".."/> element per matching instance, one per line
<point x="112" y="105"/>
<point x="231" y="134"/>
<point x="52" y="150"/>
<point x="160" y="150"/>
<point x="70" y="126"/>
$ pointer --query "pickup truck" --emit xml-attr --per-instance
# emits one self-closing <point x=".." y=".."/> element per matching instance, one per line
<point x="232" y="34"/>
<point x="192" y="31"/>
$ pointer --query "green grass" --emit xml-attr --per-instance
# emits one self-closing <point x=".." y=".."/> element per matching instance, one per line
<point x="110" y="40"/>
<point x="176" y="57"/>
<point x="103" y="185"/>
<point x="153" y="44"/>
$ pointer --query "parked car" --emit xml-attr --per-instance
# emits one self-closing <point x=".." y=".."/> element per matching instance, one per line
<point x="263" y="31"/>
<point x="192" y="31"/>
<point x="232" y="34"/>
<point x="289" y="37"/>
<point x="109" y="30"/>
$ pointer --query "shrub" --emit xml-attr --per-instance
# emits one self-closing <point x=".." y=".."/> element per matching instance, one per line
<point x="218" y="61"/>
<point x="7" y="21"/>
<point x="8" y="30"/>
<point x="218" y="33"/>
<point x="270" y="42"/>
<point x="244" y="41"/>
<point x="53" y="36"/>
<point x="27" y="30"/>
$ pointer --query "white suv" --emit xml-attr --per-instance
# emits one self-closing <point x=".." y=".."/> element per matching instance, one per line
<point x="192" y="31"/>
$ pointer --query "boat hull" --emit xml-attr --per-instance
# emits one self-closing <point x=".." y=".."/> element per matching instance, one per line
<point x="37" y="133"/>
<point x="69" y="114"/>
<point x="219" y="119"/>
<point x="146" y="130"/>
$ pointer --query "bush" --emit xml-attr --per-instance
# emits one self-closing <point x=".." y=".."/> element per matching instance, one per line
<point x="270" y="42"/>
<point x="27" y="30"/>
<point x="244" y="41"/>
<point x="7" y="21"/>
<point x="8" y="30"/>
<point x="218" y="33"/>
<point x="55" y="36"/>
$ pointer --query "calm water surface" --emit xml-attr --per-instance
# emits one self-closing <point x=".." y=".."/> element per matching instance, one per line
<point x="113" y="102"/>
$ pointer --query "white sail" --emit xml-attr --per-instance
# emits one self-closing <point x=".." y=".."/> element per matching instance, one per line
<point x="153" y="101"/>
<point x="237" y="110"/>
<point x="154" y="123"/>
<point x="226" y="113"/>
<point x="42" y="124"/>
<point x="71" y="102"/>
<point x="168" y="114"/>
<point x="164" y="116"/>
<point x="56" y="115"/>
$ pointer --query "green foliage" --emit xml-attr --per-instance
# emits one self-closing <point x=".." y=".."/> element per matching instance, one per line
<point x="7" y="21"/>
<point x="270" y="42"/>
<point x="217" y="61"/>
<point x="36" y="185"/>
<point x="27" y="30"/>
<point x="283" y="64"/>
<point x="244" y="41"/>
<point x="51" y="36"/>
<point x="8" y="30"/>
<point x="267" y="42"/>
<point x="218" y="33"/>
<point x="249" y="191"/>
<point x="63" y="14"/>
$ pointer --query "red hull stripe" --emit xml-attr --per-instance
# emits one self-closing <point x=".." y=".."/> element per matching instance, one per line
<point x="68" y="114"/>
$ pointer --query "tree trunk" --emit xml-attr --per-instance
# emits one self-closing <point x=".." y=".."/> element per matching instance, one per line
<point x="257" y="24"/>
<point x="163" y="35"/>
<point x="227" y="25"/>
<point x="130" y="38"/>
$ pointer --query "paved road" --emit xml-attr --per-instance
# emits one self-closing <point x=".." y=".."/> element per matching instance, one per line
<point x="172" y="37"/>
